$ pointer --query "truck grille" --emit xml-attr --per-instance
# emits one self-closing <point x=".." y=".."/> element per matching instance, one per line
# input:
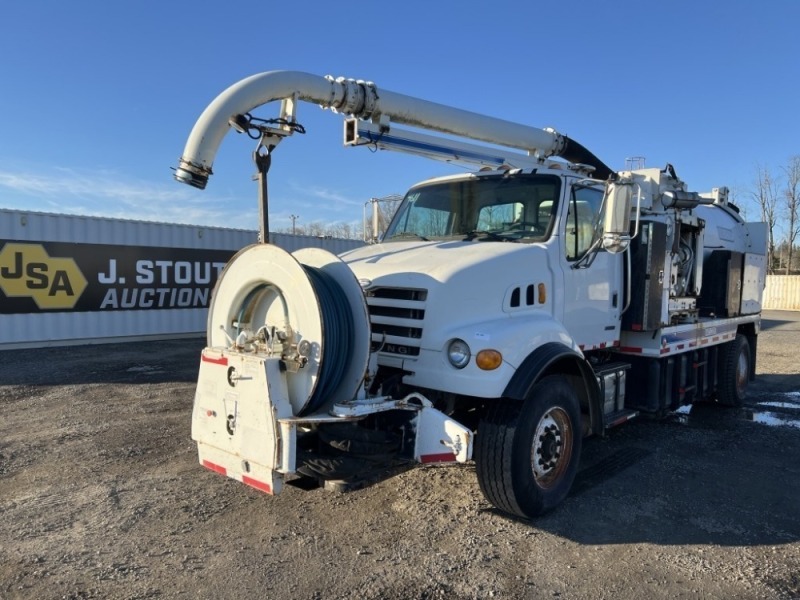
<point x="396" y="316"/>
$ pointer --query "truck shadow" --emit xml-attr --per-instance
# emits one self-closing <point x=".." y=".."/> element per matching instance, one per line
<point x="128" y="362"/>
<point x="770" y="319"/>
<point x="770" y="383"/>
<point x="771" y="323"/>
<point x="709" y="476"/>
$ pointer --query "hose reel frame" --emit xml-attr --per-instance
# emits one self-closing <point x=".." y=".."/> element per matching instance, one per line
<point x="296" y="306"/>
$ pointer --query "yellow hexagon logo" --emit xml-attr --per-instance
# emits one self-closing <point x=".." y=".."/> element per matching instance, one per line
<point x="27" y="270"/>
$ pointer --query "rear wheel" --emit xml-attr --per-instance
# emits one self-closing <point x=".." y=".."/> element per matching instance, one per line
<point x="734" y="371"/>
<point x="527" y="453"/>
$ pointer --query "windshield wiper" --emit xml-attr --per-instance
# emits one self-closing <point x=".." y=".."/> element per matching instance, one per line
<point x="413" y="234"/>
<point x="471" y="235"/>
<point x="521" y="233"/>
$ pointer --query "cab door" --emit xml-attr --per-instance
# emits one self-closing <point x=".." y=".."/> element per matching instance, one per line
<point x="592" y="278"/>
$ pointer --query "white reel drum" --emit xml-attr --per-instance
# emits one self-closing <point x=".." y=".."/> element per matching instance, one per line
<point x="307" y="308"/>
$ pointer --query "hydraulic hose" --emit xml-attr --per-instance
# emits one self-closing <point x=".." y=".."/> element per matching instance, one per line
<point x="338" y="328"/>
<point x="577" y="153"/>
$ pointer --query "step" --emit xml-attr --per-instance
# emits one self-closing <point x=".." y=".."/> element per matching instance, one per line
<point x="619" y="417"/>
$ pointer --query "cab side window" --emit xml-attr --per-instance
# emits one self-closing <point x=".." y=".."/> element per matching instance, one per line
<point x="582" y="218"/>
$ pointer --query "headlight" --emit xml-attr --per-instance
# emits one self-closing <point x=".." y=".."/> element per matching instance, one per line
<point x="458" y="353"/>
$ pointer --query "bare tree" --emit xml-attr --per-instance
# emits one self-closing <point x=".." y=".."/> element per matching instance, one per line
<point x="766" y="196"/>
<point x="734" y="194"/>
<point x="341" y="230"/>
<point x="314" y="228"/>
<point x="792" y="205"/>
<point x="386" y="209"/>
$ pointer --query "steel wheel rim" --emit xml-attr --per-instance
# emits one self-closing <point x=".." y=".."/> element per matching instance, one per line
<point x="551" y="450"/>
<point x="742" y="368"/>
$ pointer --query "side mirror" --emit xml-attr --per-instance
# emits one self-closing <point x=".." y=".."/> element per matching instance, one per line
<point x="617" y="217"/>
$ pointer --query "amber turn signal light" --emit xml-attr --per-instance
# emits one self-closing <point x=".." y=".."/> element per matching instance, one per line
<point x="488" y="360"/>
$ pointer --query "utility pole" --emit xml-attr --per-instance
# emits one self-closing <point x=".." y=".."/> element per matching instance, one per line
<point x="380" y="216"/>
<point x="293" y="218"/>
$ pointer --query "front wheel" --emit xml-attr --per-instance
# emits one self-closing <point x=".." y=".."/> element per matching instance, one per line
<point x="527" y="453"/>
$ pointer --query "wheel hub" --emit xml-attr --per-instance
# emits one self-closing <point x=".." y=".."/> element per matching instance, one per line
<point x="742" y="369"/>
<point x="548" y="446"/>
<point x="550" y="449"/>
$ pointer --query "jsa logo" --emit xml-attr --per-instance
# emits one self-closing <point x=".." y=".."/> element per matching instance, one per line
<point x="26" y="270"/>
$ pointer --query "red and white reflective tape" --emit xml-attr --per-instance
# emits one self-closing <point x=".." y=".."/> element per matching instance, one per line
<point x="435" y="458"/>
<point x="222" y="360"/>
<point x="600" y="346"/>
<point x="261" y="486"/>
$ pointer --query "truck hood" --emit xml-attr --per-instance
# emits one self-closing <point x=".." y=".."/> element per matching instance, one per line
<point x="440" y="261"/>
<point x="455" y="283"/>
<point x="422" y="295"/>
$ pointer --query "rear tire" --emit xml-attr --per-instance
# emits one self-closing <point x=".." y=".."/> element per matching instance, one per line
<point x="734" y="372"/>
<point x="527" y="453"/>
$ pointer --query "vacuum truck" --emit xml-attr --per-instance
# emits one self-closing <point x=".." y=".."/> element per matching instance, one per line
<point x="507" y="312"/>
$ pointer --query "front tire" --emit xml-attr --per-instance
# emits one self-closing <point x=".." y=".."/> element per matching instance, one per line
<point x="527" y="453"/>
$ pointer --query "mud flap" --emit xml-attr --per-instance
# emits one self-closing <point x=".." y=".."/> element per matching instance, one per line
<point x="441" y="439"/>
<point x="238" y="402"/>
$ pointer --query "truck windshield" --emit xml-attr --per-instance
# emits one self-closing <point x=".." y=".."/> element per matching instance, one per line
<point x="483" y="208"/>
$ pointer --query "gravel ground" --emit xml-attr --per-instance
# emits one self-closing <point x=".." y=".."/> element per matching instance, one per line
<point x="101" y="496"/>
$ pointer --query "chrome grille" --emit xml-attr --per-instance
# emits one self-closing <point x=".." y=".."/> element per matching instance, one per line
<point x="396" y="316"/>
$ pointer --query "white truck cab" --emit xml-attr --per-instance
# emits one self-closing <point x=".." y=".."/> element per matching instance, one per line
<point x="487" y="261"/>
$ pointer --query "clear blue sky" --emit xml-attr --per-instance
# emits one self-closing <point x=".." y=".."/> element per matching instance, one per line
<point x="97" y="98"/>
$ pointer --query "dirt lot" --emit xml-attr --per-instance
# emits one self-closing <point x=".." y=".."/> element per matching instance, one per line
<point x="101" y="496"/>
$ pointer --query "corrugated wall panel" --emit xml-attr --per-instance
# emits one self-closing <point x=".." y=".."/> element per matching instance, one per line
<point x="33" y="226"/>
<point x="69" y="237"/>
<point x="90" y="327"/>
<point x="782" y="292"/>
<point x="290" y="243"/>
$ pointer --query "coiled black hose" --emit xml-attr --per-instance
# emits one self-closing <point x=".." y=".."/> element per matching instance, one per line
<point x="339" y="331"/>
